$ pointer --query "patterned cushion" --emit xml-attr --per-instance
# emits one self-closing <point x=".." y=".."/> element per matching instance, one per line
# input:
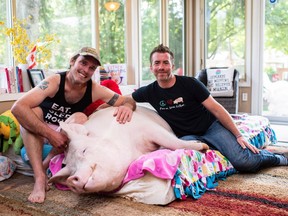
<point x="220" y="82"/>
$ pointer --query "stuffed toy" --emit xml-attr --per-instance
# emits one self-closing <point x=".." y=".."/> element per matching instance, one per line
<point x="109" y="84"/>
<point x="7" y="168"/>
<point x="10" y="132"/>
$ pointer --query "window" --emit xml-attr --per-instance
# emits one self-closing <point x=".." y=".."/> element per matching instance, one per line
<point x="150" y="34"/>
<point x="112" y="34"/>
<point x="69" y="20"/>
<point x="176" y="33"/>
<point x="275" y="66"/>
<point x="161" y="26"/>
<point x="225" y="35"/>
<point x="88" y="23"/>
<point x="4" y="51"/>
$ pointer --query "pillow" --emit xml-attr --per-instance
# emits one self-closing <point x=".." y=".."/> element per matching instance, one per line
<point x="220" y="82"/>
<point x="149" y="190"/>
<point x="94" y="105"/>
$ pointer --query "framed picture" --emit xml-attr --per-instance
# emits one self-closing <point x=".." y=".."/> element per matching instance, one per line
<point x="35" y="76"/>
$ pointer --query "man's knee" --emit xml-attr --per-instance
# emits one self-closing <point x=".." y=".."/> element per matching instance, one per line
<point x="248" y="163"/>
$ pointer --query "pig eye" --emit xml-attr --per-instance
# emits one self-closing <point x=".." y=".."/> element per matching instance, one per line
<point x="84" y="151"/>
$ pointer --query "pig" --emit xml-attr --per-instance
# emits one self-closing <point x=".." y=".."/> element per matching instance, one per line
<point x="101" y="150"/>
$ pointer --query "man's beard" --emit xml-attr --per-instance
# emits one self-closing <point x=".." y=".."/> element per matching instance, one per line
<point x="164" y="77"/>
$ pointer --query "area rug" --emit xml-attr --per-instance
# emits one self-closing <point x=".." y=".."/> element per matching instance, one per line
<point x="264" y="193"/>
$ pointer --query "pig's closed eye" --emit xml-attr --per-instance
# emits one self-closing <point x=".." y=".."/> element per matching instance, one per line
<point x="84" y="151"/>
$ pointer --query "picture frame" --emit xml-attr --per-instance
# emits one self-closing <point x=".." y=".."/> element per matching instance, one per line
<point x="35" y="76"/>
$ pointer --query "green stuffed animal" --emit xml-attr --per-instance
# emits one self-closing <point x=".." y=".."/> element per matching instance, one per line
<point x="10" y="132"/>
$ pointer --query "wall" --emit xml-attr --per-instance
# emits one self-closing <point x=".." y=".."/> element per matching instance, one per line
<point x="244" y="106"/>
<point x="5" y="106"/>
<point x="7" y="100"/>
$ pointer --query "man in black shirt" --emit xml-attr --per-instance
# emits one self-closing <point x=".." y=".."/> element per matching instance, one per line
<point x="193" y="114"/>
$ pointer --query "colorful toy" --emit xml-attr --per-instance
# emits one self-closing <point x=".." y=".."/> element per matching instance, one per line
<point x="10" y="132"/>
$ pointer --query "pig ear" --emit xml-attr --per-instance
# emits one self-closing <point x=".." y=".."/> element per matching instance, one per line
<point x="61" y="176"/>
<point x="73" y="128"/>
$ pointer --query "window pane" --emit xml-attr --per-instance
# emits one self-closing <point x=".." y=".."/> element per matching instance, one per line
<point x="150" y="33"/>
<point x="176" y="33"/>
<point x="225" y="34"/>
<point x="275" y="73"/>
<point x="112" y="34"/>
<point x="3" y="39"/>
<point x="69" y="20"/>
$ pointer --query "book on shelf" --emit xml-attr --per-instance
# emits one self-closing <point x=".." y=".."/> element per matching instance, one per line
<point x="8" y="80"/>
<point x="3" y="81"/>
<point x="19" y="79"/>
<point x="11" y="81"/>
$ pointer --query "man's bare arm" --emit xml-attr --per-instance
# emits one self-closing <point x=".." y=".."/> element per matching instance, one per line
<point x="27" y="110"/>
<point x="128" y="101"/>
<point x="120" y="100"/>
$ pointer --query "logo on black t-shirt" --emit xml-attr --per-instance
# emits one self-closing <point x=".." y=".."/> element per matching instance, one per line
<point x="171" y="104"/>
<point x="57" y="113"/>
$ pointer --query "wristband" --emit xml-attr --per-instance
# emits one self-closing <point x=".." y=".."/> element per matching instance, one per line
<point x="238" y="136"/>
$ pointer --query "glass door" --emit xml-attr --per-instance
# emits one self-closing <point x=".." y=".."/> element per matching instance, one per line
<point x="275" y="65"/>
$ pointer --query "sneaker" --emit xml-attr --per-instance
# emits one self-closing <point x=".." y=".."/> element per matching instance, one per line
<point x="283" y="159"/>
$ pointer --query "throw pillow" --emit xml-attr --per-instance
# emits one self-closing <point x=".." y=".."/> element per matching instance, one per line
<point x="220" y="82"/>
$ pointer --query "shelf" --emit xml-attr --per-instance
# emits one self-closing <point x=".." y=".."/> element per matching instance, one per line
<point x="10" y="96"/>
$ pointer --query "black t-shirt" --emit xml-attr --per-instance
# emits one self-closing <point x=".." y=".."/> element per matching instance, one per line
<point x="181" y="105"/>
<point x="57" y="109"/>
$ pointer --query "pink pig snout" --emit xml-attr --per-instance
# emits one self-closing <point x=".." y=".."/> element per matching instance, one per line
<point x="76" y="183"/>
<point x="80" y="178"/>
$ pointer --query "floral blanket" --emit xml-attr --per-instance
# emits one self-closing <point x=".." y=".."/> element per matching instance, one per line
<point x="191" y="172"/>
<point x="256" y="129"/>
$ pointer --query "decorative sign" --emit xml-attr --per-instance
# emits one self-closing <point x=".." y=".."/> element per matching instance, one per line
<point x="220" y="82"/>
<point x="116" y="72"/>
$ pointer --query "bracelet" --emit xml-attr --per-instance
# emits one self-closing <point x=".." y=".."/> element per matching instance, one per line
<point x="238" y="136"/>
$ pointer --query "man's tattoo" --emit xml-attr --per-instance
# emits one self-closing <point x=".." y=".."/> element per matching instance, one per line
<point x="113" y="100"/>
<point x="43" y="85"/>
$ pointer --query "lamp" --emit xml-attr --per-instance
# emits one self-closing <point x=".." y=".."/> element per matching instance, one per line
<point x="112" y="6"/>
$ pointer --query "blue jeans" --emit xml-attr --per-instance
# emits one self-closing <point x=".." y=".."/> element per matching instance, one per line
<point x="221" y="139"/>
